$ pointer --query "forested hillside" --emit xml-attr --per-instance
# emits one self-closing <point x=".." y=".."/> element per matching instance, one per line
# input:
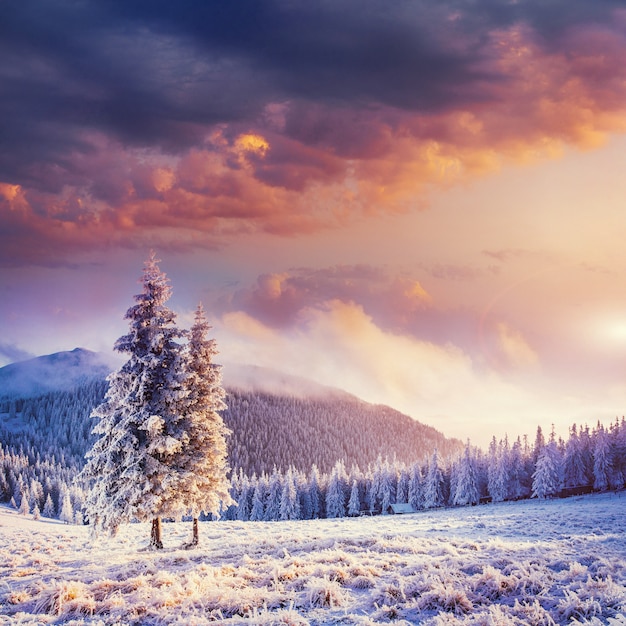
<point x="285" y="431"/>
<point x="268" y="430"/>
<point x="44" y="435"/>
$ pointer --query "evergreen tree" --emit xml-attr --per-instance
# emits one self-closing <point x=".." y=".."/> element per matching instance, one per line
<point x="48" y="508"/>
<point x="547" y="475"/>
<point x="244" y="500"/>
<point x="516" y="472"/>
<point x="335" y="505"/>
<point x="141" y="426"/>
<point x="387" y="487"/>
<point x="354" y="504"/>
<point x="315" y="494"/>
<point x="416" y="496"/>
<point x="540" y="443"/>
<point x="272" y="509"/>
<point x="304" y="496"/>
<point x="466" y="491"/>
<point x="618" y="453"/>
<point x="574" y="466"/>
<point x="289" y="501"/>
<point x="434" y="487"/>
<point x="24" y="505"/>
<point x="402" y="489"/>
<point x="67" y="511"/>
<point x="201" y="463"/>
<point x="36" y="512"/>
<point x="257" y="513"/>
<point x="601" y="460"/>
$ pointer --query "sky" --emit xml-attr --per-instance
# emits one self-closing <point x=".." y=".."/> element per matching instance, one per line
<point x="421" y="203"/>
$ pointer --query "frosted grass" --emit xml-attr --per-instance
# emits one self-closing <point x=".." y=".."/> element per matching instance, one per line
<point x="525" y="563"/>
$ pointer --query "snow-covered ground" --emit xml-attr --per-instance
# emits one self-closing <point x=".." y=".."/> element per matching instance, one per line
<point x="534" y="562"/>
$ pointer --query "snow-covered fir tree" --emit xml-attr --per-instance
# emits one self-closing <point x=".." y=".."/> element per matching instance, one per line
<point x="402" y="488"/>
<point x="244" y="499"/>
<point x="573" y="462"/>
<point x="289" y="501"/>
<point x="48" y="507"/>
<point x="434" y="483"/>
<point x="200" y="464"/>
<point x="416" y="495"/>
<point x="602" y="460"/>
<point x="517" y="478"/>
<point x="466" y="488"/>
<point x="257" y="513"/>
<point x="275" y="492"/>
<point x="354" y="504"/>
<point x="387" y="487"/>
<point x="335" y="498"/>
<point x="24" y="505"/>
<point x="547" y="475"/>
<point x="304" y="496"/>
<point x="67" y="510"/>
<point x="142" y="421"/>
<point x="315" y="493"/>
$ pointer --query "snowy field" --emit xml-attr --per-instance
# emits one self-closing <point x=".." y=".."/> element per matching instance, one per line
<point x="534" y="562"/>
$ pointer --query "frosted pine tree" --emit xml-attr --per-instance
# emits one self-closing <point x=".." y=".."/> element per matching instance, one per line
<point x="201" y="463"/>
<point x="618" y="453"/>
<point x="67" y="510"/>
<point x="434" y="483"/>
<point x="602" y="460"/>
<point x="304" y="496"/>
<point x="547" y="475"/>
<point x="315" y="494"/>
<point x="402" y="489"/>
<point x="141" y="426"/>
<point x="416" y="496"/>
<point x="257" y="513"/>
<point x="466" y="491"/>
<point x="354" y="504"/>
<point x="24" y="505"/>
<point x="244" y="500"/>
<point x="516" y="471"/>
<point x="289" y="501"/>
<point x="574" y="466"/>
<point x="275" y="491"/>
<point x="498" y="484"/>
<point x="387" y="488"/>
<point x="335" y="505"/>
<point x="48" y="508"/>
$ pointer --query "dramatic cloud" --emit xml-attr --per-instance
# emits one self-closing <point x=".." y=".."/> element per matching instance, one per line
<point x="184" y="124"/>
<point x="279" y="299"/>
<point x="437" y="384"/>
<point x="395" y="302"/>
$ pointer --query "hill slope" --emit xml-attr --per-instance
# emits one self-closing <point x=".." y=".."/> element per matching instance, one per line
<point x="317" y="426"/>
<point x="61" y="371"/>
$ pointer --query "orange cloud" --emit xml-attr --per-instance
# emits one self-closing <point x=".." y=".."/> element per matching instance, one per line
<point x="303" y="166"/>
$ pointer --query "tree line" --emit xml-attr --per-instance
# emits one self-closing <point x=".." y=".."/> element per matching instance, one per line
<point x="590" y="460"/>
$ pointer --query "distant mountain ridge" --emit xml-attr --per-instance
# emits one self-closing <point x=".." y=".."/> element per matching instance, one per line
<point x="276" y="420"/>
<point x="60" y="371"/>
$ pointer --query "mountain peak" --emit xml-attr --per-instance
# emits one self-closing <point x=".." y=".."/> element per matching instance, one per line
<point x="52" y="372"/>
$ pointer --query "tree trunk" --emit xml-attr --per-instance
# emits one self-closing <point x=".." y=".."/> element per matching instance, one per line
<point x="195" y="539"/>
<point x="155" y="534"/>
